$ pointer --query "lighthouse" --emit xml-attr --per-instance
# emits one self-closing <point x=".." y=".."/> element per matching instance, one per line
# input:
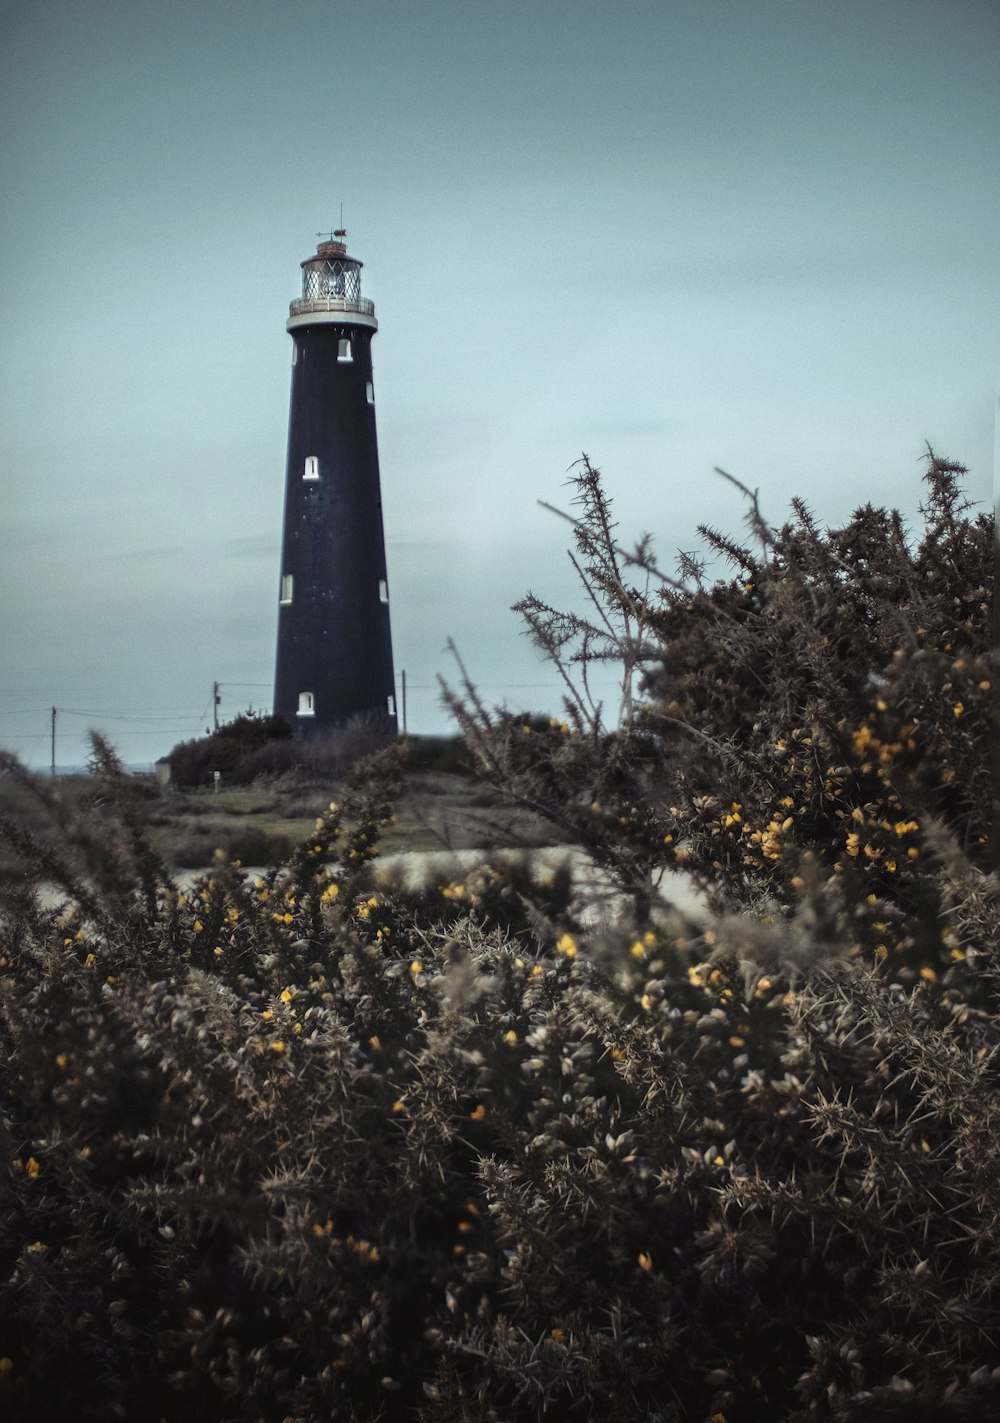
<point x="334" y="659"/>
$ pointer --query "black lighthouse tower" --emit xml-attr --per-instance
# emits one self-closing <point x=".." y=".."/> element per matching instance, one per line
<point x="334" y="659"/>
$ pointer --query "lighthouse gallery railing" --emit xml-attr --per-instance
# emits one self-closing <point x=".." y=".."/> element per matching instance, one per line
<point x="303" y="306"/>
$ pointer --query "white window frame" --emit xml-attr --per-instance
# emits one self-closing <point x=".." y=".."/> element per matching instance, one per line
<point x="390" y="704"/>
<point x="311" y="470"/>
<point x="383" y="591"/>
<point x="286" y="590"/>
<point x="344" y="352"/>
<point x="307" y="704"/>
<point x="370" y="392"/>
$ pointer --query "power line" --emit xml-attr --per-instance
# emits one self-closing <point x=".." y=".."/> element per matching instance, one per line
<point x="124" y="716"/>
<point x="509" y="686"/>
<point x="43" y="736"/>
<point x="182" y="715"/>
<point x="181" y="723"/>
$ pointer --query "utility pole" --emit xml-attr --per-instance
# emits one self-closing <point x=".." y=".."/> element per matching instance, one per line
<point x="403" y="699"/>
<point x="216" y="699"/>
<point x="53" y="743"/>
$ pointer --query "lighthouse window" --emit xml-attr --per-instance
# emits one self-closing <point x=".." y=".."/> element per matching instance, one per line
<point x="383" y="591"/>
<point x="370" y="392"/>
<point x="312" y="467"/>
<point x="286" y="588"/>
<point x="307" y="704"/>
<point x="390" y="705"/>
<point x="344" y="351"/>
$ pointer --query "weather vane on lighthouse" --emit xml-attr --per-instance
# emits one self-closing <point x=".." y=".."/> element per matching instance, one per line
<point x="334" y="656"/>
<point x="340" y="231"/>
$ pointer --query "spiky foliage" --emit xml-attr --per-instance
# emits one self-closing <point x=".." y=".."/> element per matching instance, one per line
<point x="312" y="1147"/>
<point x="831" y="701"/>
<point x="229" y="750"/>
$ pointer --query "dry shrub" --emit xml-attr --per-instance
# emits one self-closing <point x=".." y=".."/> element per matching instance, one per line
<point x="312" y="1147"/>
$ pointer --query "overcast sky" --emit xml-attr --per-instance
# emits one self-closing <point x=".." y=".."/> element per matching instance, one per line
<point x="760" y="234"/>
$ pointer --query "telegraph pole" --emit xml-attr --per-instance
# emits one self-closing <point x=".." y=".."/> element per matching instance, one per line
<point x="53" y="743"/>
<point x="216" y="699"/>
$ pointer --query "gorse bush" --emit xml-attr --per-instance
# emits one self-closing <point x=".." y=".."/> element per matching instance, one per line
<point x="799" y="712"/>
<point x="260" y="746"/>
<point x="446" y="755"/>
<point x="234" y="750"/>
<point x="312" y="1146"/>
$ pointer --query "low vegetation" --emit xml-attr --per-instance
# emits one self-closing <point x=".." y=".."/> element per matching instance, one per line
<point x="257" y="747"/>
<point x="314" y="1145"/>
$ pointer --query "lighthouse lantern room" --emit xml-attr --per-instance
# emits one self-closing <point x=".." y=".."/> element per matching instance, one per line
<point x="334" y="659"/>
